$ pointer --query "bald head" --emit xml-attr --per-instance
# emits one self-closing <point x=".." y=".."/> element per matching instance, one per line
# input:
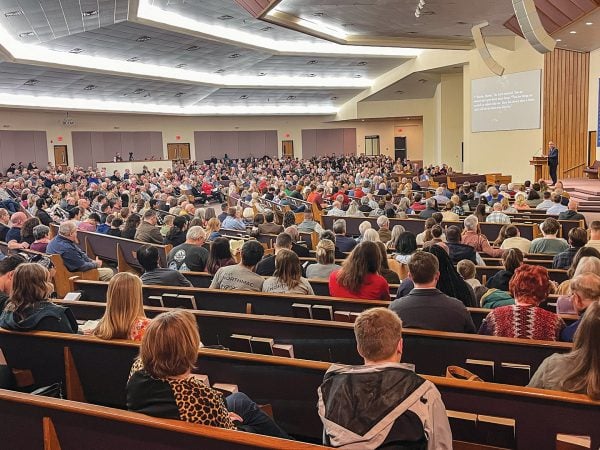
<point x="572" y="205"/>
<point x="17" y="219"/>
<point x="585" y="289"/>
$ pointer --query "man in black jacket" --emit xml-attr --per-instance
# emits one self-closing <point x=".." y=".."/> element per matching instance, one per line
<point x="266" y="266"/>
<point x="458" y="251"/>
<point x="426" y="307"/>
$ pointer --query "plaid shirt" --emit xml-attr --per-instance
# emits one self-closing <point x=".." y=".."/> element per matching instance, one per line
<point x="497" y="217"/>
<point x="563" y="260"/>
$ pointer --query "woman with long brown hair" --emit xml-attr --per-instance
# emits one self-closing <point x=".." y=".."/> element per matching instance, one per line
<point x="124" y="317"/>
<point x="359" y="276"/>
<point x="579" y="370"/>
<point x="28" y="308"/>
<point x="287" y="277"/>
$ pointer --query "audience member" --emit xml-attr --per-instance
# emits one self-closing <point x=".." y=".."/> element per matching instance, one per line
<point x="546" y="202"/>
<point x="266" y="266"/>
<point x="390" y="275"/>
<point x="16" y="222"/>
<point x="130" y="227"/>
<point x="587" y="260"/>
<point x="497" y="216"/>
<point x="594" y="240"/>
<point x="40" y="238"/>
<point x="359" y="276"/>
<point x="585" y="290"/>
<point x="309" y="225"/>
<point x="430" y="208"/>
<point x="456" y="249"/>
<point x="577" y="240"/>
<point x="27" y="230"/>
<point x="529" y="287"/>
<point x="269" y="227"/>
<point x="344" y="243"/>
<point x="513" y="239"/>
<point x="4" y="224"/>
<point x="557" y="206"/>
<point x="75" y="259"/>
<point x="219" y="255"/>
<point x="147" y="256"/>
<point x="190" y="256"/>
<point x="124" y="317"/>
<point x="512" y="259"/>
<point x="425" y="306"/>
<point x="147" y="231"/>
<point x="298" y="247"/>
<point x="415" y="416"/>
<point x="115" y="227"/>
<point x="471" y="236"/>
<point x="571" y="213"/>
<point x="579" y="370"/>
<point x="162" y="385"/>
<point x="287" y="277"/>
<point x="384" y="229"/>
<point x="7" y="271"/>
<point x="325" y="255"/>
<point x="233" y="221"/>
<point x="467" y="270"/>
<point x="178" y="232"/>
<point x="550" y="243"/>
<point x="241" y="276"/>
<point x="28" y="308"/>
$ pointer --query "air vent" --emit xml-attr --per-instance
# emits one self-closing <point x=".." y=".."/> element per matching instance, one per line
<point x="220" y="71"/>
<point x="266" y="28"/>
<point x="147" y="95"/>
<point x="179" y="94"/>
<point x="334" y="98"/>
<point x="311" y="75"/>
<point x="89" y="13"/>
<point x="133" y="59"/>
<point x="399" y="92"/>
<point x="422" y="80"/>
<point x="225" y="17"/>
<point x="27" y="34"/>
<point x="357" y="76"/>
<point x="312" y="61"/>
<point x="181" y="66"/>
<point x="139" y="91"/>
<point x="143" y="39"/>
<point x="76" y="50"/>
<point x="234" y="55"/>
<point x="262" y="74"/>
<point x="90" y="87"/>
<point x="291" y="97"/>
<point x="319" y="14"/>
<point x="192" y="48"/>
<point x="243" y="97"/>
<point x="13" y="13"/>
<point x="31" y="82"/>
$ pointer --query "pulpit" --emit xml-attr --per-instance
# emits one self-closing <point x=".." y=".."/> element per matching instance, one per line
<point x="538" y="163"/>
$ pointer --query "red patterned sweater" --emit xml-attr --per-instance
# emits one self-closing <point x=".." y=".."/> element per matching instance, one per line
<point x="526" y="322"/>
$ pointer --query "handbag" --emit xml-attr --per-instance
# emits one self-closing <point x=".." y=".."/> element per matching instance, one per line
<point x="458" y="373"/>
<point x="54" y="390"/>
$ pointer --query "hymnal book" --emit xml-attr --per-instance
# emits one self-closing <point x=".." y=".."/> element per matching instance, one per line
<point x="484" y="369"/>
<point x="169" y="300"/>
<point x="302" y="311"/>
<point x="262" y="346"/>
<point x="463" y="425"/>
<point x="322" y="312"/>
<point x="240" y="343"/>
<point x="154" y="300"/>
<point x="512" y="373"/>
<point x="571" y="442"/>
<point x="73" y="296"/>
<point x="285" y="350"/>
<point x="496" y="431"/>
<point x="342" y="316"/>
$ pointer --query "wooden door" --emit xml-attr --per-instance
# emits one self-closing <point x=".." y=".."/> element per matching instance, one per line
<point x="178" y="151"/>
<point x="287" y="149"/>
<point x="61" y="156"/>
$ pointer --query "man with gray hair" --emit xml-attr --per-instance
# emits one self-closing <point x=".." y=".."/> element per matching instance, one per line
<point x="430" y="208"/>
<point x="336" y="210"/>
<point x="440" y="197"/>
<point x="75" y="259"/>
<point x="497" y="216"/>
<point x="384" y="229"/>
<point x="190" y="256"/>
<point x="478" y="241"/>
<point x="343" y="243"/>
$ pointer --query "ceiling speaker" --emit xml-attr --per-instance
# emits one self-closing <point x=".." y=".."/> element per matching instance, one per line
<point x="487" y="57"/>
<point x="531" y="26"/>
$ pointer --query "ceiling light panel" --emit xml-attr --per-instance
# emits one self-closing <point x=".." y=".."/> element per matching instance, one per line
<point x="224" y="97"/>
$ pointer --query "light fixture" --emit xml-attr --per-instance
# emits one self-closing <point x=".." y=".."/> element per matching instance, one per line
<point x="319" y="14"/>
<point x="192" y="48"/>
<point x="220" y="71"/>
<point x="573" y="32"/>
<point x="76" y="50"/>
<point x="357" y="76"/>
<point x="291" y="97"/>
<point x="243" y="97"/>
<point x="26" y="34"/>
<point x="225" y="17"/>
<point x="89" y="13"/>
<point x="589" y="23"/>
<point x="399" y="92"/>
<point x="419" y="8"/>
<point x="179" y="94"/>
<point x="559" y="40"/>
<point x="139" y="91"/>
<point x="133" y="59"/>
<point x="334" y="98"/>
<point x="362" y="63"/>
<point x="311" y="75"/>
<point x="143" y="39"/>
<point x="181" y="66"/>
<point x="312" y="61"/>
<point x="262" y="74"/>
<point x="234" y="55"/>
<point x="90" y="87"/>
<point x="266" y="28"/>
<point x="31" y="82"/>
<point x="13" y="13"/>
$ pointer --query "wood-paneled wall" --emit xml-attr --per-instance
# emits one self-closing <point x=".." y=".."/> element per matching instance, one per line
<point x="566" y="97"/>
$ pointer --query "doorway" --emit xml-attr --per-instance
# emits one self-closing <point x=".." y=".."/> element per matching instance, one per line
<point x="61" y="156"/>
<point x="400" y="148"/>
<point x="287" y="149"/>
<point x="178" y="152"/>
<point x="372" y="145"/>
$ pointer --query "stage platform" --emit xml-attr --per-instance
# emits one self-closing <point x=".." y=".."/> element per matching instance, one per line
<point x="587" y="194"/>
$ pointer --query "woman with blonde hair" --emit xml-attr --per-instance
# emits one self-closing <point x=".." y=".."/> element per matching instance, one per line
<point x="325" y="254"/>
<point x="124" y="317"/>
<point x="520" y="203"/>
<point x="28" y="307"/>
<point x="161" y="383"/>
<point x="212" y="229"/>
<point x="396" y="232"/>
<point x="287" y="277"/>
<point x="371" y="235"/>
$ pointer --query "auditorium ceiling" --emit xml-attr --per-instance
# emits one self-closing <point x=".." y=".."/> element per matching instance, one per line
<point x="205" y="57"/>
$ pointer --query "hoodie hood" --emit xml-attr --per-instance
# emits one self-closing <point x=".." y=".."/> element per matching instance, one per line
<point x="31" y="317"/>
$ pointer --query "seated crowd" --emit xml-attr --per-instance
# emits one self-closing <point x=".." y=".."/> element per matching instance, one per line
<point x="433" y="275"/>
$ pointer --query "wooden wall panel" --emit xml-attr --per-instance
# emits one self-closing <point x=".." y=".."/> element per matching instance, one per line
<point x="566" y="97"/>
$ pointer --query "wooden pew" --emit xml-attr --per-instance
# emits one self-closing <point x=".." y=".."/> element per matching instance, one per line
<point x="31" y="422"/>
<point x="97" y="371"/>
<point x="484" y="273"/>
<point x="318" y="340"/>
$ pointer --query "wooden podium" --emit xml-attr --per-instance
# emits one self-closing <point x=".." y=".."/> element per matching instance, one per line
<point x="538" y="162"/>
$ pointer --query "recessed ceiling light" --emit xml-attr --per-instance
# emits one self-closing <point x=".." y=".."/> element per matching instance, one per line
<point x="362" y="63"/>
<point x="266" y="28"/>
<point x="399" y="92"/>
<point x="311" y="75"/>
<point x="143" y="38"/>
<point x="225" y="17"/>
<point x="191" y="48"/>
<point x="181" y="66"/>
<point x="573" y="32"/>
<point x="76" y="50"/>
<point x="291" y="97"/>
<point x="589" y="23"/>
<point x="462" y="23"/>
<point x="13" y="13"/>
<point x="27" y="34"/>
<point x="262" y="74"/>
<point x="147" y="94"/>
<point x="220" y="71"/>
<point x="346" y="25"/>
<point x="179" y="94"/>
<point x="412" y="32"/>
<point x="31" y="82"/>
<point x="133" y="59"/>
<point x="312" y="61"/>
<point x="559" y="40"/>
<point x="139" y="91"/>
<point x="243" y="97"/>
<point x="357" y="76"/>
<point x="334" y="98"/>
<point x="319" y="14"/>
<point x="89" y="13"/>
<point x="422" y="80"/>
<point x="234" y="55"/>
<point x="90" y="87"/>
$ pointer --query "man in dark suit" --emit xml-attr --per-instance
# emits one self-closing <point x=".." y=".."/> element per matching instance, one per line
<point x="266" y="266"/>
<point x="269" y="227"/>
<point x="426" y="307"/>
<point x="552" y="161"/>
<point x="343" y="243"/>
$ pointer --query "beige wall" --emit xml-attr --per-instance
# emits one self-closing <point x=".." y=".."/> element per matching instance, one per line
<point x="449" y="110"/>
<point x="593" y="111"/>
<point x="507" y="152"/>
